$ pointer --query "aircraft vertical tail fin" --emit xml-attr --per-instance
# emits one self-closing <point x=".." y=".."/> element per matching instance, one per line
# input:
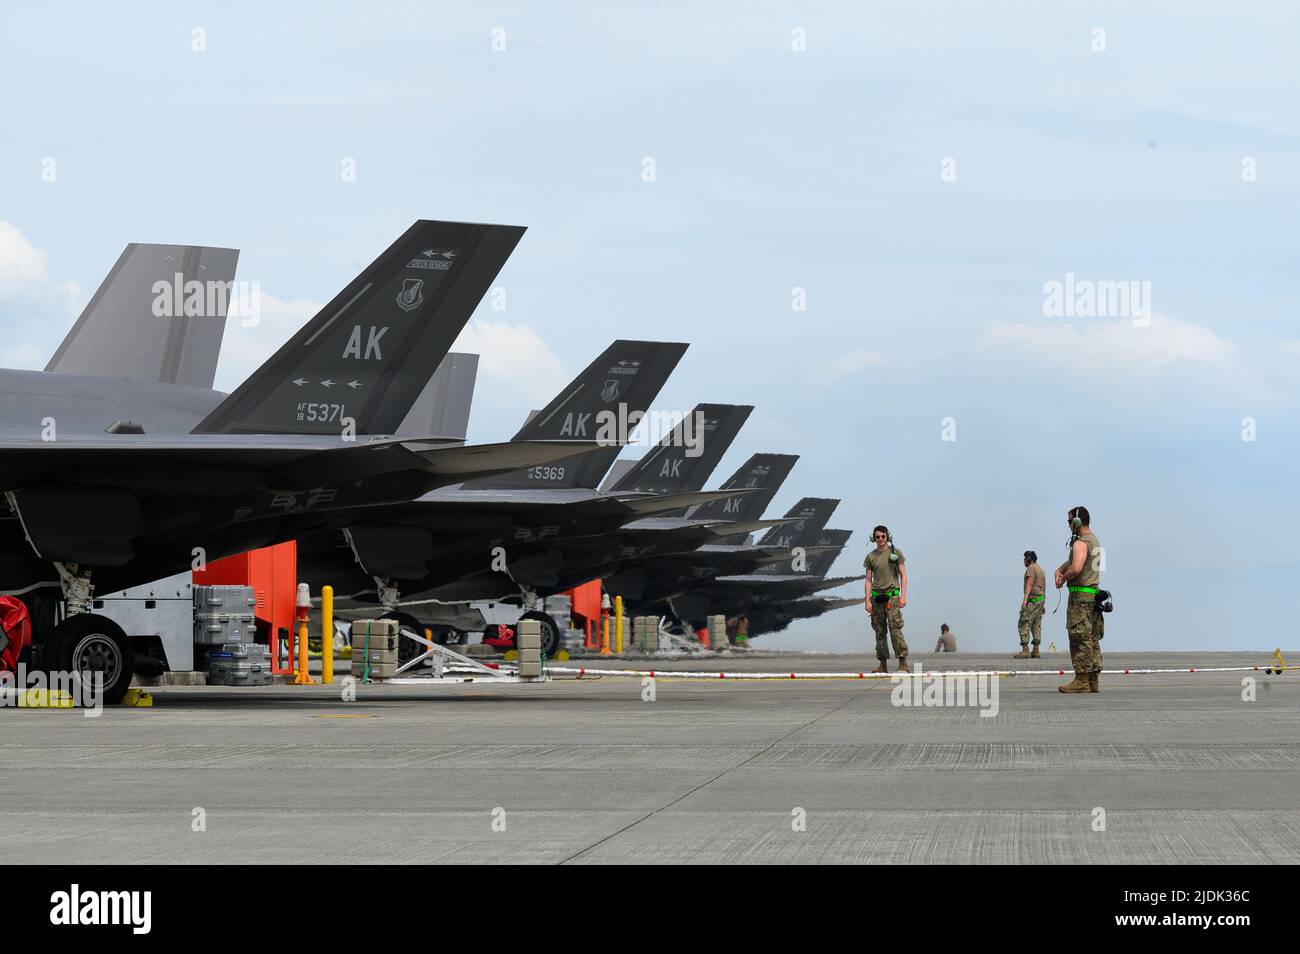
<point x="443" y="406"/>
<point x="120" y="335"/>
<point x="620" y="383"/>
<point x="762" y="472"/>
<point x="365" y="358"/>
<point x="813" y="513"/>
<point x="819" y="564"/>
<point x="683" y="460"/>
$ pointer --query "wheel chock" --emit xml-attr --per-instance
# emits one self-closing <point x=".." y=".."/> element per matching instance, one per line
<point x="45" y="699"/>
<point x="138" y="698"/>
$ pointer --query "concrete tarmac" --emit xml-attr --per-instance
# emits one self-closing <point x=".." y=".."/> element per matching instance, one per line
<point x="1184" y="769"/>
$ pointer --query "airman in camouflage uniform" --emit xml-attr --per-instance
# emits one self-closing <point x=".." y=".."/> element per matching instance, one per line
<point x="1083" y="619"/>
<point x="1031" y="607"/>
<point x="886" y="587"/>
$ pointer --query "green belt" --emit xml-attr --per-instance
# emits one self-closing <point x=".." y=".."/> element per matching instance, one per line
<point x="1083" y="589"/>
<point x="875" y="593"/>
<point x="1035" y="599"/>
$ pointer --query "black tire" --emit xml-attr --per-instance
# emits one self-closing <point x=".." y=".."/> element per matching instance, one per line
<point x="407" y="649"/>
<point x="443" y="635"/>
<point x="550" y="632"/>
<point x="86" y="643"/>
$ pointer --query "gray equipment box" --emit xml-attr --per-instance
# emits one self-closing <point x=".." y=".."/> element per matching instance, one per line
<point x="240" y="664"/>
<point x="224" y="615"/>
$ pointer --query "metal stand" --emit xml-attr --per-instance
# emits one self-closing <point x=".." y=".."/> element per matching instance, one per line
<point x="446" y="660"/>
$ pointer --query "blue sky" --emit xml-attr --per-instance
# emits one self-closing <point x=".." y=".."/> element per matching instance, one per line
<point x="776" y="169"/>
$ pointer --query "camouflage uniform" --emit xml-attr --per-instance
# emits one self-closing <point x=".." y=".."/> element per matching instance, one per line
<point x="1084" y="620"/>
<point x="1031" y="622"/>
<point x="1085" y="623"/>
<point x="1031" y="610"/>
<point x="886" y="616"/>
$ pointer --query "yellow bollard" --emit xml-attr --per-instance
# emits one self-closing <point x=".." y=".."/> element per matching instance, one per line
<point x="618" y="625"/>
<point x="327" y="634"/>
<point x="302" y="604"/>
<point x="303" y="675"/>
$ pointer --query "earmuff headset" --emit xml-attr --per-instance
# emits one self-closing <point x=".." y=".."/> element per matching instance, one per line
<point x="889" y="537"/>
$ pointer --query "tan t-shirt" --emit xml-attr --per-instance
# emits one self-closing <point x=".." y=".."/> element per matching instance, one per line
<point x="947" y="643"/>
<point x="1091" y="574"/>
<point x="881" y="569"/>
<point x="1038" y="585"/>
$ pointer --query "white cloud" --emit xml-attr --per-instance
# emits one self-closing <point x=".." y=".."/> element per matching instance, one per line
<point x="854" y="361"/>
<point x="514" y="362"/>
<point x="244" y="349"/>
<point x="37" y="310"/>
<point x="1290" y="345"/>
<point x="1102" y="343"/>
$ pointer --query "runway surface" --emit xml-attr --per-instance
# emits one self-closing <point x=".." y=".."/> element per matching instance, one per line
<point x="1184" y="769"/>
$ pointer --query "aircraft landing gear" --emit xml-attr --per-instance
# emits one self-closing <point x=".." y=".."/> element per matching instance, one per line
<point x="550" y="632"/>
<point x="389" y="597"/>
<point x="91" y="646"/>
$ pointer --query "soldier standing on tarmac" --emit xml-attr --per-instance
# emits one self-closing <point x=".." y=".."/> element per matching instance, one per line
<point x="1031" y="607"/>
<point x="1083" y="618"/>
<point x="886" y="587"/>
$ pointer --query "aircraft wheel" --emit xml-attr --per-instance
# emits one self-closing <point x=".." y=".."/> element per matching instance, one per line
<point x="407" y="649"/>
<point x="86" y="643"/>
<point x="550" y="632"/>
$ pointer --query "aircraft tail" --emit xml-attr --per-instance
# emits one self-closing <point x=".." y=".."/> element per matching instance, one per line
<point x="443" y="406"/>
<point x="121" y="335"/>
<point x="835" y="541"/>
<point x="366" y="357"/>
<point x="685" y="458"/>
<point x="812" y="514"/>
<point x="620" y="383"/>
<point x="762" y="472"/>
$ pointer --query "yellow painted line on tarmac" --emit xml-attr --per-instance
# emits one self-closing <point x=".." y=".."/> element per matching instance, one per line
<point x="358" y="715"/>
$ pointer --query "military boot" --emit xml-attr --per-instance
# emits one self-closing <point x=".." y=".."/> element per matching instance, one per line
<point x="1094" y="681"/>
<point x="902" y="664"/>
<point x="1023" y="654"/>
<point x="1034" y="654"/>
<point x="1078" y="684"/>
<point x="883" y="667"/>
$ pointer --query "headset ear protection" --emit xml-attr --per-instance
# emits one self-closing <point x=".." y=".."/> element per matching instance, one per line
<point x="893" y="557"/>
<point x="1076" y="522"/>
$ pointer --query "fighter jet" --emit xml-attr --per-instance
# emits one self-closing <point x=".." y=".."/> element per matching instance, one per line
<point x="104" y="488"/>
<point x="663" y="577"/>
<point x="738" y="595"/>
<point x="560" y="563"/>
<point x="774" y="616"/>
<point x="777" y="616"/>
<point x="482" y="536"/>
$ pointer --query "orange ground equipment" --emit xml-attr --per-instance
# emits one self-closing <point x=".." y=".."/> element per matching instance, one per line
<point x="272" y="572"/>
